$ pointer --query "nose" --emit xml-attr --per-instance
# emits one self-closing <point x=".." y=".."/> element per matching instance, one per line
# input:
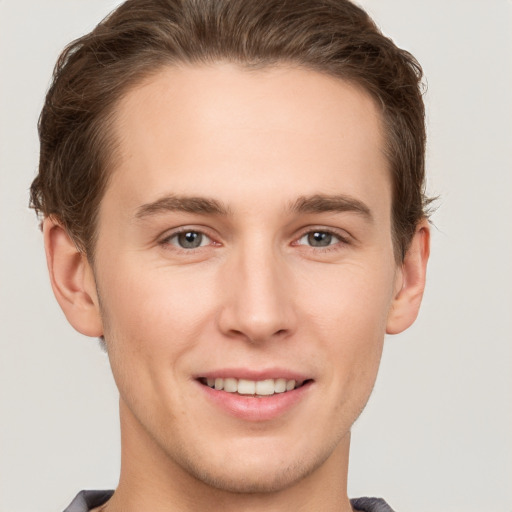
<point x="258" y="298"/>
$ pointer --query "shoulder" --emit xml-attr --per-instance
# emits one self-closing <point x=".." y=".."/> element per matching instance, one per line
<point x="87" y="500"/>
<point x="370" y="505"/>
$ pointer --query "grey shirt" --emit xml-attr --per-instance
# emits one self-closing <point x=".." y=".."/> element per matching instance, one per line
<point x="87" y="500"/>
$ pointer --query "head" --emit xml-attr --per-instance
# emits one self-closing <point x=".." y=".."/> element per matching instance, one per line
<point x="336" y="38"/>
<point x="233" y="194"/>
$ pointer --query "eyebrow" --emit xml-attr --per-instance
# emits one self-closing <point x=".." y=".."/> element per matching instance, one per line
<point x="318" y="203"/>
<point x="173" y="203"/>
<point x="338" y="203"/>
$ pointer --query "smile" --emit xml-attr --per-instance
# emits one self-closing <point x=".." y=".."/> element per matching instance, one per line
<point x="265" y="387"/>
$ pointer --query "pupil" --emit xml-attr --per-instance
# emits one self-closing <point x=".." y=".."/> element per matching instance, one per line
<point x="319" y="239"/>
<point x="190" y="239"/>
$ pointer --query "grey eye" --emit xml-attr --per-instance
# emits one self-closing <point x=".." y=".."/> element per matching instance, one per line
<point x="319" y="239"/>
<point x="189" y="239"/>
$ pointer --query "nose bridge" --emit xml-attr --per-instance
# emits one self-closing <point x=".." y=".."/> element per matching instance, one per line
<point x="259" y="302"/>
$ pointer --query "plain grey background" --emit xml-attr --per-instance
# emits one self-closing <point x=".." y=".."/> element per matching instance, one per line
<point x="437" y="433"/>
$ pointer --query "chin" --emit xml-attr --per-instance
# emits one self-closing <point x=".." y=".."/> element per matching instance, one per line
<point x="252" y="480"/>
<point x="259" y="475"/>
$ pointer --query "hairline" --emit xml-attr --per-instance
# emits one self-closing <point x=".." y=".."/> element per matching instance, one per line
<point x="108" y="123"/>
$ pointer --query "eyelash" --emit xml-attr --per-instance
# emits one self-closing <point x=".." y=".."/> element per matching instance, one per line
<point x="168" y="239"/>
<point x="341" y="239"/>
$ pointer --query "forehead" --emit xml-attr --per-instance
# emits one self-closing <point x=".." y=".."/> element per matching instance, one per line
<point x="224" y="130"/>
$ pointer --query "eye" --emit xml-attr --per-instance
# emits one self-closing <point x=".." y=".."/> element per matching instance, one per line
<point x="189" y="239"/>
<point x="319" y="238"/>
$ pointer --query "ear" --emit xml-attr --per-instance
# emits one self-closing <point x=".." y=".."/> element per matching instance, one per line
<point x="72" y="279"/>
<point x="410" y="282"/>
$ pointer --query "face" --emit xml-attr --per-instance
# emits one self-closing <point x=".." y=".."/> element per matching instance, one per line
<point x="245" y="270"/>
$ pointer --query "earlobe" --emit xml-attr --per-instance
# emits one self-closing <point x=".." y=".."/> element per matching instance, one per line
<point x="412" y="274"/>
<point x="72" y="280"/>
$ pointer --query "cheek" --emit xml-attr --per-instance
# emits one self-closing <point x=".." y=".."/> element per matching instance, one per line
<point x="351" y="298"/>
<point x="153" y="320"/>
<point x="350" y="319"/>
<point x="152" y="327"/>
<point x="147" y="301"/>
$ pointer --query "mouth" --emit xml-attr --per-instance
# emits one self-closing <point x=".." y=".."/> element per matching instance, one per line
<point x="254" y="388"/>
<point x="255" y="396"/>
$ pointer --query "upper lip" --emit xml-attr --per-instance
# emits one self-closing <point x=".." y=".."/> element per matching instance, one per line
<point x="252" y="374"/>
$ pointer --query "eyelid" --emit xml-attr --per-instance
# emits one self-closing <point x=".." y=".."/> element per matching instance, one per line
<point x="342" y="235"/>
<point x="164" y="240"/>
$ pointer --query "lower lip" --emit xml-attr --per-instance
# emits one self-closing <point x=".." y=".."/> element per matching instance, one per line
<point x="251" y="408"/>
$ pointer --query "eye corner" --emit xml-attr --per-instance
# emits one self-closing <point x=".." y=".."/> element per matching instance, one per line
<point x="322" y="240"/>
<point x="188" y="239"/>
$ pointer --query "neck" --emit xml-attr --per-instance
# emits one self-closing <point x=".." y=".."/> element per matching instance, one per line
<point x="151" y="480"/>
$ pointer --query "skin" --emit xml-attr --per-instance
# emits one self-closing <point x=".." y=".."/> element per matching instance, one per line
<point x="259" y="293"/>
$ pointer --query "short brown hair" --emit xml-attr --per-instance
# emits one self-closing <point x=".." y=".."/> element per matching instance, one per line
<point x="142" y="36"/>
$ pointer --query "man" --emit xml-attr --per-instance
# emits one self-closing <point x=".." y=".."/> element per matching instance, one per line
<point x="232" y="194"/>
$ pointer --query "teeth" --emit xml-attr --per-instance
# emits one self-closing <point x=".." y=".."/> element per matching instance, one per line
<point x="246" y="387"/>
<point x="280" y="385"/>
<point x="265" y="387"/>
<point x="230" y="385"/>
<point x="290" y="384"/>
